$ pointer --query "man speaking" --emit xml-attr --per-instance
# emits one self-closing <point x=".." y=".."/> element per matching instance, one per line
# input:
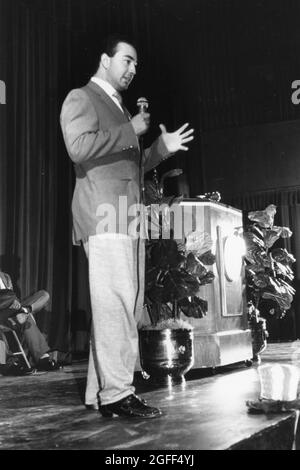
<point x="102" y="140"/>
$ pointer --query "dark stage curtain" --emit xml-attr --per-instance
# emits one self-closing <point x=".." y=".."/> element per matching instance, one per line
<point x="288" y="215"/>
<point x="37" y="249"/>
<point x="198" y="60"/>
<point x="51" y="48"/>
<point x="3" y="120"/>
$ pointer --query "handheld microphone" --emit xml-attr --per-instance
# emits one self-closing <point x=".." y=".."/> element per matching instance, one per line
<point x="142" y="104"/>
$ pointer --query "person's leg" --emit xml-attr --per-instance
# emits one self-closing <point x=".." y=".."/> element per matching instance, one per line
<point x="93" y="380"/>
<point x="140" y="279"/>
<point x="34" y="339"/>
<point x="114" y="341"/>
<point x="36" y="301"/>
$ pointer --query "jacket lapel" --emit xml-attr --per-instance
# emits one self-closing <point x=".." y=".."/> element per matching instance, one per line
<point x="107" y="99"/>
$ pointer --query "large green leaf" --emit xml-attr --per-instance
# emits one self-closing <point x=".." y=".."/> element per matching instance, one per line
<point x="207" y="258"/>
<point x="194" y="266"/>
<point x="265" y="218"/>
<point x="198" y="242"/>
<point x="282" y="256"/>
<point x="193" y="307"/>
<point x="271" y="236"/>
<point x="284" y="300"/>
<point x="165" y="254"/>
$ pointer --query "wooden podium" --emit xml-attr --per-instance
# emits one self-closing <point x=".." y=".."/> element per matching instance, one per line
<point x="222" y="336"/>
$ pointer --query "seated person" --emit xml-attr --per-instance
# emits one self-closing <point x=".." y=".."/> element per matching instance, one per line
<point x="19" y="315"/>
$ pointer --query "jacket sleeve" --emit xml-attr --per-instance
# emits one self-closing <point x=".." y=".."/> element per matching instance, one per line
<point x="82" y="132"/>
<point x="155" y="154"/>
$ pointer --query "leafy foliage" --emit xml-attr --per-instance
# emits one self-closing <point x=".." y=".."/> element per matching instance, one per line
<point x="175" y="269"/>
<point x="268" y="271"/>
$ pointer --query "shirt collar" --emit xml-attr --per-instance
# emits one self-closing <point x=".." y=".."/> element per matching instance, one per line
<point x="107" y="87"/>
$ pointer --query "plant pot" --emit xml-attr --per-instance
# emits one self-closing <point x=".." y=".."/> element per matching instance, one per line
<point x="166" y="355"/>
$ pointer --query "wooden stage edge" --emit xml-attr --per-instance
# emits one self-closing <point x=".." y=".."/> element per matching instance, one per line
<point x="207" y="412"/>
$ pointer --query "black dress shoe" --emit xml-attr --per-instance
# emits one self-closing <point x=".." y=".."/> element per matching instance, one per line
<point x="15" y="368"/>
<point x="47" y="364"/>
<point x="130" y="407"/>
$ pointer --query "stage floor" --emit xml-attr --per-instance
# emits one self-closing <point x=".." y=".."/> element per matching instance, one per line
<point x="207" y="412"/>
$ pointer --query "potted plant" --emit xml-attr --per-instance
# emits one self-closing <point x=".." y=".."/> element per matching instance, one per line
<point x="175" y="271"/>
<point x="268" y="273"/>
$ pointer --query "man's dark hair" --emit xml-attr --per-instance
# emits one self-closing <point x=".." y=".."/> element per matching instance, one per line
<point x="109" y="46"/>
<point x="111" y="42"/>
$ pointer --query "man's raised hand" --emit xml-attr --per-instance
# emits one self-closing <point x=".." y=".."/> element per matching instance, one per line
<point x="175" y="141"/>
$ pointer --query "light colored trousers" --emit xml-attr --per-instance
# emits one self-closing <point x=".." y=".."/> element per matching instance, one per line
<point x="116" y="277"/>
<point x="36" y="301"/>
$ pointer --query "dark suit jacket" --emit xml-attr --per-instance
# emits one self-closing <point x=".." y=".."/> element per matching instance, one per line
<point x="105" y="150"/>
<point x="7" y="299"/>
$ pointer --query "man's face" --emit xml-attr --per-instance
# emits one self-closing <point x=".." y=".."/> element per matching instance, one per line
<point x="122" y="67"/>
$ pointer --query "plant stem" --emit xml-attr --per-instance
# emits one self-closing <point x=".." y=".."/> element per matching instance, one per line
<point x="175" y="310"/>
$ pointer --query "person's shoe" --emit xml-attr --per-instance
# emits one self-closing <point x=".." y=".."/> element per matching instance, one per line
<point x="130" y="407"/>
<point x="47" y="364"/>
<point x="26" y="309"/>
<point x="15" y="367"/>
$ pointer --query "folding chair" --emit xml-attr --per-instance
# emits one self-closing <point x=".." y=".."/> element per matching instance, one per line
<point x="14" y="345"/>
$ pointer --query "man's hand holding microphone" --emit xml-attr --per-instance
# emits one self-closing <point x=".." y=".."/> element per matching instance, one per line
<point x="141" y="121"/>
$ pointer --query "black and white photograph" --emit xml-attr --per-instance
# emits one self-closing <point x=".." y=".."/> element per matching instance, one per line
<point x="149" y="227"/>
